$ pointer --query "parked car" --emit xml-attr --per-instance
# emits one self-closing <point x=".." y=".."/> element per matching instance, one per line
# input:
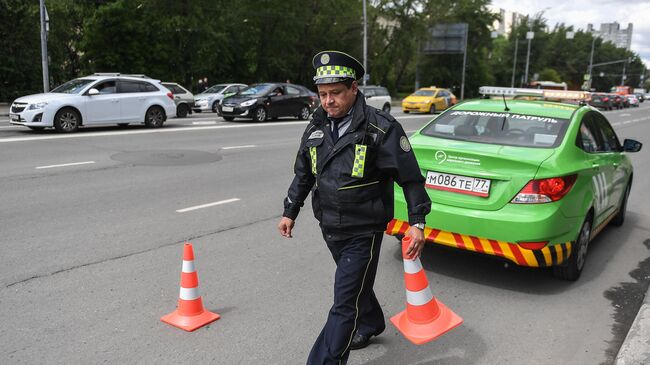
<point x="617" y="101"/>
<point x="632" y="100"/>
<point x="532" y="183"/>
<point x="209" y="99"/>
<point x="377" y="96"/>
<point x="260" y="102"/>
<point x="183" y="98"/>
<point x="106" y="98"/>
<point x="640" y="96"/>
<point x="428" y="100"/>
<point x="602" y="101"/>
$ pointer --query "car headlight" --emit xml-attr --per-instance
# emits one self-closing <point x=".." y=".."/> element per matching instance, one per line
<point x="248" y="102"/>
<point x="36" y="106"/>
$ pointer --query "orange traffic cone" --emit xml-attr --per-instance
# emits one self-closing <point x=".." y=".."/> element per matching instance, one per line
<point x="190" y="313"/>
<point x="425" y="318"/>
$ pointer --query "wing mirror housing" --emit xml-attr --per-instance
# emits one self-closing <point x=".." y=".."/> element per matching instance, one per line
<point x="93" y="91"/>
<point x="630" y="145"/>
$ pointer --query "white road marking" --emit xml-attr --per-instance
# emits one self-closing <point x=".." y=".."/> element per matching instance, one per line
<point x="234" y="147"/>
<point x="207" y="205"/>
<point x="66" y="165"/>
<point x="625" y="115"/>
<point x="204" y="123"/>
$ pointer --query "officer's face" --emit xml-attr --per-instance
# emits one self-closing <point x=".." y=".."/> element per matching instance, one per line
<point x="337" y="99"/>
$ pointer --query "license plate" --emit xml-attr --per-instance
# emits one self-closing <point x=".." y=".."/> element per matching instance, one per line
<point x="14" y="117"/>
<point x="227" y="108"/>
<point x="457" y="183"/>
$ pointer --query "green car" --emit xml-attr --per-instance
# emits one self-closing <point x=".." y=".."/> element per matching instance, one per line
<point x="530" y="181"/>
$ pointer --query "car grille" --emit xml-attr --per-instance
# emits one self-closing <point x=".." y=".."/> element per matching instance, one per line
<point x="228" y="104"/>
<point x="18" y="107"/>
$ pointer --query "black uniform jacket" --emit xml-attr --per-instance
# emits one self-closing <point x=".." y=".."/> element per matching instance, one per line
<point x="349" y="203"/>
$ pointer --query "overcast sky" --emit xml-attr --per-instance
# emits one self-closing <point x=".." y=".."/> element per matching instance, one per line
<point x="581" y="12"/>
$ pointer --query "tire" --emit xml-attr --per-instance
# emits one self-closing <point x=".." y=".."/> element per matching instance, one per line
<point x="182" y="111"/>
<point x="386" y="108"/>
<point x="619" y="219"/>
<point x="405" y="111"/>
<point x="229" y="119"/>
<point x="573" y="268"/>
<point x="432" y="110"/>
<point x="122" y="124"/>
<point x="259" y="115"/>
<point x="154" y="117"/>
<point x="67" y="120"/>
<point x="37" y="129"/>
<point x="215" y="106"/>
<point x="304" y="113"/>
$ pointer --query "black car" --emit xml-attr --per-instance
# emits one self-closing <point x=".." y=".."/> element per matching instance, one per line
<point x="260" y="102"/>
<point x="601" y="101"/>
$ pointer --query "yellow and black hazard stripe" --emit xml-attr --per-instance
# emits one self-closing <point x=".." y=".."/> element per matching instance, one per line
<point x="551" y="255"/>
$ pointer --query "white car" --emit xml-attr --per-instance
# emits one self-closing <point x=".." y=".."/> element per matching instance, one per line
<point x="96" y="100"/>
<point x="377" y="96"/>
<point x="210" y="98"/>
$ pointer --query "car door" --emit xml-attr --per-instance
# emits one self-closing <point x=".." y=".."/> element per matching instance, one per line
<point x="278" y="104"/>
<point x="295" y="101"/>
<point x="132" y="100"/>
<point x="613" y="159"/>
<point x="103" y="107"/>
<point x="371" y="97"/>
<point x="595" y="166"/>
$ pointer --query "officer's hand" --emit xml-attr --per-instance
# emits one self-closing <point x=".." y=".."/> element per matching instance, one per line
<point x="285" y="226"/>
<point x="417" y="243"/>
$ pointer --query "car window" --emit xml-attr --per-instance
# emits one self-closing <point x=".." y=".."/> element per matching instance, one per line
<point x="126" y="86"/>
<point x="148" y="87"/>
<point x="72" y="86"/>
<point x="424" y="93"/>
<point x="588" y="139"/>
<point x="442" y="93"/>
<point x="106" y="87"/>
<point x="609" y="138"/>
<point x="369" y="92"/>
<point x="292" y="90"/>
<point x="499" y="128"/>
<point x="382" y="91"/>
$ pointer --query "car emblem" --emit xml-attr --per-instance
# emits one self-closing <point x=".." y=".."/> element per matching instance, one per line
<point x="441" y="156"/>
<point x="325" y="59"/>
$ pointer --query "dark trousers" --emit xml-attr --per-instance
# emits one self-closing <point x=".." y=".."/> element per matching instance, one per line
<point x="355" y="306"/>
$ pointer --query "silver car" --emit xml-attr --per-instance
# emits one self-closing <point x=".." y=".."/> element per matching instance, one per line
<point x="377" y="96"/>
<point x="182" y="97"/>
<point x="210" y="98"/>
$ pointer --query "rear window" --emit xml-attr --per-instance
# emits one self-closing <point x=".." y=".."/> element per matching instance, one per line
<point x="498" y="128"/>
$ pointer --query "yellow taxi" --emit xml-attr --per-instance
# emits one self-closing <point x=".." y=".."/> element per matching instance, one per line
<point x="428" y="100"/>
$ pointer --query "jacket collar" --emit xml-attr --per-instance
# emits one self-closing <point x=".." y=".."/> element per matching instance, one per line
<point x="358" y="114"/>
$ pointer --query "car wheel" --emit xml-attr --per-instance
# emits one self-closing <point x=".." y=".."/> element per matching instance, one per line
<point x="259" y="115"/>
<point x="182" y="111"/>
<point x="432" y="110"/>
<point x="405" y="111"/>
<point x="122" y="124"/>
<point x="214" y="106"/>
<point x="38" y="129"/>
<point x="386" y="108"/>
<point x="67" y="120"/>
<point x="573" y="267"/>
<point x="619" y="219"/>
<point x="229" y="119"/>
<point x="304" y="113"/>
<point x="155" y="117"/>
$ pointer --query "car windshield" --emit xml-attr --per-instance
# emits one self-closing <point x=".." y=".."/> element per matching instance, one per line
<point x="214" y="89"/>
<point x="424" y="93"/>
<point x="72" y="86"/>
<point x="257" y="90"/>
<point x="498" y="128"/>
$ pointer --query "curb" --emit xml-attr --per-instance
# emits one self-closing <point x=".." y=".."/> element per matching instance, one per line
<point x="636" y="347"/>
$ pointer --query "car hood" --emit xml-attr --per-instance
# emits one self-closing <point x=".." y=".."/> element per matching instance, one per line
<point x="208" y="96"/>
<point x="38" y="98"/>
<point x="238" y="99"/>
<point x="418" y="99"/>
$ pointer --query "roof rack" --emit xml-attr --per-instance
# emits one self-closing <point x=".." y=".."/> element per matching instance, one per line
<point x="120" y="74"/>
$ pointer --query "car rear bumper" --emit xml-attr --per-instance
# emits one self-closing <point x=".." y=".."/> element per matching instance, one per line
<point x="416" y="107"/>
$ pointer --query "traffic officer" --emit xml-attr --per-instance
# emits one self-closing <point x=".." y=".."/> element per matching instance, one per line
<point x="350" y="154"/>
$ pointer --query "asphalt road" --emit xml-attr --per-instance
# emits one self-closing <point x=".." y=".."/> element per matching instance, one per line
<point x="93" y="225"/>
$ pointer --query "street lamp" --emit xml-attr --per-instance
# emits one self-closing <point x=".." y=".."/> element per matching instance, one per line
<point x="591" y="62"/>
<point x="365" y="43"/>
<point x="529" y="35"/>
<point x="44" y="29"/>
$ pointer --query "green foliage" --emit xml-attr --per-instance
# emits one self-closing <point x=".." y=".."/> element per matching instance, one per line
<point x="273" y="40"/>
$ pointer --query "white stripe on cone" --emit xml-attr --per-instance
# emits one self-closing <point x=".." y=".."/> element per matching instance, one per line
<point x="421" y="297"/>
<point x="188" y="267"/>
<point x="412" y="266"/>
<point x="189" y="293"/>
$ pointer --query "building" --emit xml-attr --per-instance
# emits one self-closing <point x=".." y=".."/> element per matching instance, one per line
<point x="506" y="19"/>
<point x="612" y="32"/>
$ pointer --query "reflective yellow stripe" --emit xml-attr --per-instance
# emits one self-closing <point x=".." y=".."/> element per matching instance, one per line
<point x="314" y="159"/>
<point x="358" y="186"/>
<point x="547" y="256"/>
<point x="359" y="160"/>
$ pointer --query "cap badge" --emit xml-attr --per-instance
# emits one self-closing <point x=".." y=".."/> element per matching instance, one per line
<point x="325" y="59"/>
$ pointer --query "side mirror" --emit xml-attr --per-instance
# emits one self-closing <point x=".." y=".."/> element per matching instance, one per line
<point x="93" y="91"/>
<point x="272" y="94"/>
<point x="630" y="145"/>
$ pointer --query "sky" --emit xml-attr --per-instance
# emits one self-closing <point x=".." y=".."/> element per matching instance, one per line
<point x="581" y="12"/>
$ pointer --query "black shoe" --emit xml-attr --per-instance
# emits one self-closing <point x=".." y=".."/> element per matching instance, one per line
<point x="359" y="341"/>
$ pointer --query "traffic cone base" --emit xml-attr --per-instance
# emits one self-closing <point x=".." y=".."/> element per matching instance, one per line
<point x="190" y="323"/>
<point x="425" y="332"/>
